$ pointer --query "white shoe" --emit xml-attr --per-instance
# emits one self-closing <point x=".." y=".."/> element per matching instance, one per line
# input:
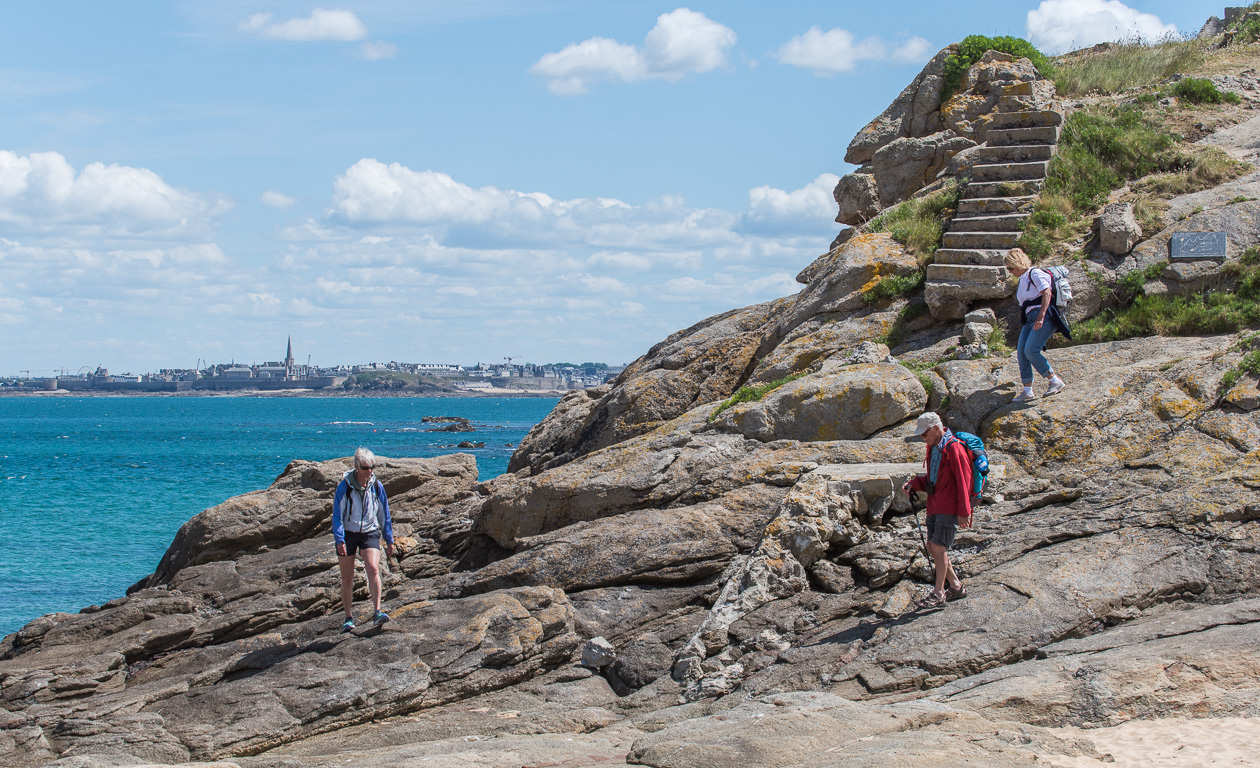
<point x="1056" y="386"/>
<point x="1024" y="396"/>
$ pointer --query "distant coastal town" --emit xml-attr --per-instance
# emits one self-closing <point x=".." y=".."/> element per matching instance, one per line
<point x="289" y="375"/>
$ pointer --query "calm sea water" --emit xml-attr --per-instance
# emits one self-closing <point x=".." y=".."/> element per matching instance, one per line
<point x="92" y="490"/>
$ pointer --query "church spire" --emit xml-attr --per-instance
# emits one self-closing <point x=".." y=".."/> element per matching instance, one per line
<point x="288" y="360"/>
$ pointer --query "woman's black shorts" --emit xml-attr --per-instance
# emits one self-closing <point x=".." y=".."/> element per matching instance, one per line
<point x="357" y="541"/>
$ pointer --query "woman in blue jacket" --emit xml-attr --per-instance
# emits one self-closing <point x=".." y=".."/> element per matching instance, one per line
<point x="360" y="519"/>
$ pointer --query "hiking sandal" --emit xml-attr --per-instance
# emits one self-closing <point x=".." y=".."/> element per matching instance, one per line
<point x="932" y="600"/>
<point x="956" y="594"/>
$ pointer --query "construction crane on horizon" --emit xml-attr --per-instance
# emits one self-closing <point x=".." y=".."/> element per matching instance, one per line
<point x="509" y="360"/>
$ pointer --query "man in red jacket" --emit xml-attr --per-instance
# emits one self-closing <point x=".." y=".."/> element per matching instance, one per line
<point x="948" y="486"/>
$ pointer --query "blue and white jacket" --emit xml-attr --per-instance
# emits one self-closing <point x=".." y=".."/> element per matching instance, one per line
<point x="366" y="512"/>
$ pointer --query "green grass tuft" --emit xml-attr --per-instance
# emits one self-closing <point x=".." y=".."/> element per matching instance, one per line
<point x="1217" y="310"/>
<point x="753" y="394"/>
<point x="894" y="287"/>
<point x="1250" y="363"/>
<point x="919" y="223"/>
<point x="996" y="341"/>
<point x="973" y="48"/>
<point x="1200" y="90"/>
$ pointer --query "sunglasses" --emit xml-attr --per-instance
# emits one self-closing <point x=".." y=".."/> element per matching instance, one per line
<point x="369" y="469"/>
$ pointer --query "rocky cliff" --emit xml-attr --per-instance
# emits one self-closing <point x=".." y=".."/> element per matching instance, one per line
<point x="668" y="579"/>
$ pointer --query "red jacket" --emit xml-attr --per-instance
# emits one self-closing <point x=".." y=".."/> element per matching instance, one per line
<point x="953" y="482"/>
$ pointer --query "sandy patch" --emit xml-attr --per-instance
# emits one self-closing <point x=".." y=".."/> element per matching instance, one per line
<point x="1175" y="741"/>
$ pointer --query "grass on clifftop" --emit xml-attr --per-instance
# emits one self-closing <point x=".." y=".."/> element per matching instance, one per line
<point x="1219" y="309"/>
<point x="974" y="47"/>
<point x="1130" y="64"/>
<point x="753" y="394"/>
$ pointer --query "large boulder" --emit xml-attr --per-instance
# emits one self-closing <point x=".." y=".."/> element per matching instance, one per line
<point x="857" y="195"/>
<point x="837" y="281"/>
<point x="905" y="165"/>
<point x="849" y="402"/>
<point x="1118" y="230"/>
<point x="915" y="112"/>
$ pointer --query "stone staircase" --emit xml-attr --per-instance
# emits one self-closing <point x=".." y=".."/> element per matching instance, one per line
<point x="1009" y="172"/>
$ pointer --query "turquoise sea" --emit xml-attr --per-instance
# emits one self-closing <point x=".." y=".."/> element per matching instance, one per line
<point x="93" y="489"/>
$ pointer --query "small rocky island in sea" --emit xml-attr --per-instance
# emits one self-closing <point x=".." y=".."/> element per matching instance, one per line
<point x="707" y="561"/>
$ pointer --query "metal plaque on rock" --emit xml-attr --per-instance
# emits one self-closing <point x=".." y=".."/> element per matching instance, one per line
<point x="1192" y="246"/>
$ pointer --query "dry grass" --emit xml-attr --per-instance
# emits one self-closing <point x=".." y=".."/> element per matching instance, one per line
<point x="1203" y="168"/>
<point x="1122" y="66"/>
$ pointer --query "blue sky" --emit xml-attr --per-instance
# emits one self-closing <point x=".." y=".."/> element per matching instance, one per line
<point x="438" y="181"/>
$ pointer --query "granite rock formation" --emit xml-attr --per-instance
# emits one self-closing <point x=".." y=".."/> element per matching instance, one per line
<point x="669" y="580"/>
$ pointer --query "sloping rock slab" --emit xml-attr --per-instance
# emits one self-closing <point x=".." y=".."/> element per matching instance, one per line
<point x="296" y="506"/>
<point x="821" y="730"/>
<point x="1201" y="662"/>
<point x="679" y="545"/>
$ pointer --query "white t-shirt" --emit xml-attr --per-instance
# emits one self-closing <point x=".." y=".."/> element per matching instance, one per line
<point x="1031" y="284"/>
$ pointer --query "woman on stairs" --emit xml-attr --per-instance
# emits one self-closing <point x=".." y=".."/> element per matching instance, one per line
<point x="1039" y="319"/>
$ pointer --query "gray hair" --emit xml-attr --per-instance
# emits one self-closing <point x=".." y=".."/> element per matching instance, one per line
<point x="363" y="456"/>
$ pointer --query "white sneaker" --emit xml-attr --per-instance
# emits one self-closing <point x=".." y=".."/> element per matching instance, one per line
<point x="1056" y="386"/>
<point x="1024" y="396"/>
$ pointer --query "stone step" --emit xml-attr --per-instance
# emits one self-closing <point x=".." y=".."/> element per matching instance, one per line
<point x="1008" y="222"/>
<point x="1017" y="103"/>
<point x="971" y="282"/>
<point x="991" y="206"/>
<point x="980" y="240"/>
<point x="975" y="257"/>
<point x="1005" y="137"/>
<point x="1009" y="171"/>
<point x="1028" y="118"/>
<point x="1017" y="153"/>
<point x="1002" y="189"/>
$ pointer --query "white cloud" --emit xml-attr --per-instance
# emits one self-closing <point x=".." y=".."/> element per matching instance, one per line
<point x="682" y="42"/>
<point x="371" y="191"/>
<point x="838" y="50"/>
<point x="620" y="261"/>
<point x="808" y="209"/>
<point x="915" y="50"/>
<point x="378" y="50"/>
<point x="322" y="24"/>
<point x="43" y="192"/>
<point x="1057" y="26"/>
<point x="277" y="199"/>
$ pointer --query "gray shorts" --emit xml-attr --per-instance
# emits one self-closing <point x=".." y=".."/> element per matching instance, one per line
<point x="942" y="529"/>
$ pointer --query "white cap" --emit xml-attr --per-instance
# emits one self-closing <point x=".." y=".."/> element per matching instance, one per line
<point x="926" y="422"/>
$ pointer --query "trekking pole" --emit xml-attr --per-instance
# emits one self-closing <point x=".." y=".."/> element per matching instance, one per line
<point x="919" y="528"/>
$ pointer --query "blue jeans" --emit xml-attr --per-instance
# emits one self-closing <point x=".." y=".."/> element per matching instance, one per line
<point x="1028" y="351"/>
